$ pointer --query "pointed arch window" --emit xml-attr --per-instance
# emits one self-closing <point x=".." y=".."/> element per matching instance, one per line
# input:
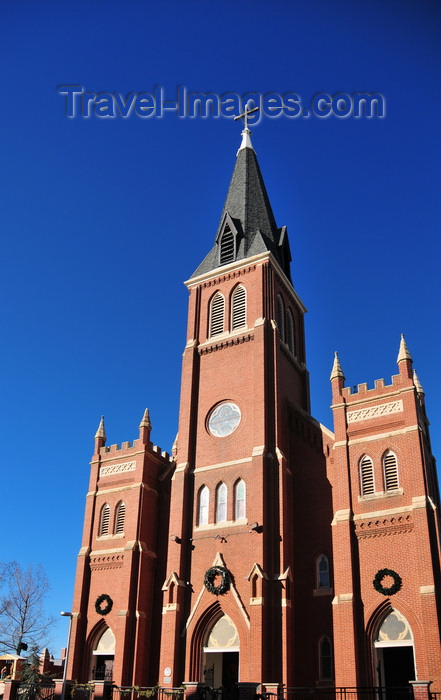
<point x="390" y="471"/>
<point x="204" y="500"/>
<point x="280" y="317"/>
<point x="120" y="516"/>
<point x="290" y="336"/>
<point x="217" y="314"/>
<point x="239" y="500"/>
<point x="323" y="580"/>
<point x="104" y="520"/>
<point x="239" y="308"/>
<point x="325" y="658"/>
<point x="366" y="476"/>
<point x="221" y="503"/>
<point x="103" y="654"/>
<point x="227" y="251"/>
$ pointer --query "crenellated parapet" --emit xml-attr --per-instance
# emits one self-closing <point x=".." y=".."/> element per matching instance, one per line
<point x="406" y="379"/>
<point x="142" y="443"/>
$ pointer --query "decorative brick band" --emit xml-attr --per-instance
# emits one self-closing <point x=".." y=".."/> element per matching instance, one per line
<point x="227" y="343"/>
<point x="117" y="468"/>
<point x="383" y="409"/>
<point x="107" y="562"/>
<point x="384" y="526"/>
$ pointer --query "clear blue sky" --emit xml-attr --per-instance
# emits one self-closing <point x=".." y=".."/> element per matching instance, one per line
<point x="103" y="219"/>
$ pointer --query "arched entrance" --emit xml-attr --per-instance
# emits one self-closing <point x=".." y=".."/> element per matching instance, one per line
<point x="220" y="663"/>
<point x="394" y="651"/>
<point x="103" y="654"/>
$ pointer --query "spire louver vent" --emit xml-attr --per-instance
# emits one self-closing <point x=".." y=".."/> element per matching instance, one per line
<point x="227" y="247"/>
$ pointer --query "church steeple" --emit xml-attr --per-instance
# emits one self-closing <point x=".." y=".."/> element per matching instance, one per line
<point x="247" y="217"/>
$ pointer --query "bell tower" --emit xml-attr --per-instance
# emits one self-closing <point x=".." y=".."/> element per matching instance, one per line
<point x="243" y="367"/>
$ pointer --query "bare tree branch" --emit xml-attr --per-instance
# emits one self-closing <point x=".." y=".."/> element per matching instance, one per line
<point x="22" y="617"/>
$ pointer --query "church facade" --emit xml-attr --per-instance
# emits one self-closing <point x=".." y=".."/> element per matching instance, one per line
<point x="267" y="549"/>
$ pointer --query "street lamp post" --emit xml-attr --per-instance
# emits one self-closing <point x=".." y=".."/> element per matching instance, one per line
<point x="66" y="657"/>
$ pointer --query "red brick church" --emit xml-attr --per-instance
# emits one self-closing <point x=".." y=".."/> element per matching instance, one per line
<point x="267" y="549"/>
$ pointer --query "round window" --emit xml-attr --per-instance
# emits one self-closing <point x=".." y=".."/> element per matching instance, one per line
<point x="224" y="419"/>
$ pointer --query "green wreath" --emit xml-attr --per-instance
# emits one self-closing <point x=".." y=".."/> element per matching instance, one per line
<point x="107" y="608"/>
<point x="392" y="589"/>
<point x="210" y="577"/>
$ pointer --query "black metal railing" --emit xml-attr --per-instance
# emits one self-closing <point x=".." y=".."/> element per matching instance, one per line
<point x="356" y="693"/>
<point x="152" y="693"/>
<point x="35" y="691"/>
<point x="102" y="674"/>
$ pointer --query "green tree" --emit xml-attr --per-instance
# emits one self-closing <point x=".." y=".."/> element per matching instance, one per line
<point x="32" y="681"/>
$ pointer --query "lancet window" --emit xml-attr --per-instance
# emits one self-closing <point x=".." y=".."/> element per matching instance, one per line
<point x="390" y="471"/>
<point x="366" y="476"/>
<point x="221" y="503"/>
<point x="239" y="308"/>
<point x="204" y="500"/>
<point x="104" y="520"/>
<point x="239" y="500"/>
<point x="120" y="516"/>
<point x="217" y="314"/>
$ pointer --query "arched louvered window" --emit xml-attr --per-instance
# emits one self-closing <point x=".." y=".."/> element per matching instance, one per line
<point x="217" y="314"/>
<point x="280" y="311"/>
<point x="240" y="500"/>
<point x="204" y="500"/>
<point x="366" y="476"/>
<point x="104" y="520"/>
<point x="323" y="572"/>
<point x="227" y="247"/>
<point x="390" y="470"/>
<point x="120" y="516"/>
<point x="325" y="658"/>
<point x="221" y="503"/>
<point x="239" y="308"/>
<point x="290" y="336"/>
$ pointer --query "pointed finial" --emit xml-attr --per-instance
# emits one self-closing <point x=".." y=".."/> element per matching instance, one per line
<point x="246" y="133"/>
<point x="417" y="383"/>
<point x="175" y="446"/>
<point x="246" y="141"/>
<point x="336" y="369"/>
<point x="145" y="427"/>
<point x="101" y="432"/>
<point x="145" y="423"/>
<point x="403" y="353"/>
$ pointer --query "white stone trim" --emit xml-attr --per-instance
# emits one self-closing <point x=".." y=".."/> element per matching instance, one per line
<point x="223" y="464"/>
<point x="378" y="411"/>
<point x="342" y="516"/>
<point x="119" y="468"/>
<point x="377" y="436"/>
<point x="382" y="513"/>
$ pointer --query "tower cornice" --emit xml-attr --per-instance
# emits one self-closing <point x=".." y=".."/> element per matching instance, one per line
<point x="224" y="271"/>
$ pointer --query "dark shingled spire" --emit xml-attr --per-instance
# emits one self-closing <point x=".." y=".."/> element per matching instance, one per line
<point x="247" y="210"/>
